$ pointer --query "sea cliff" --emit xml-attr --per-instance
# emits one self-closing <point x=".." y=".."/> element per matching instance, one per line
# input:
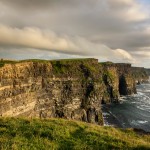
<point x="71" y="89"/>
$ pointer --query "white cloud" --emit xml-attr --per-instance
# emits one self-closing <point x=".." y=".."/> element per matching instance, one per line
<point x="106" y="29"/>
<point x="48" y="40"/>
<point x="130" y="10"/>
<point x="126" y="56"/>
<point x="143" y="52"/>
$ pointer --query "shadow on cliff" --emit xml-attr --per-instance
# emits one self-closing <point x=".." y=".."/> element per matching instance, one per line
<point x="122" y="86"/>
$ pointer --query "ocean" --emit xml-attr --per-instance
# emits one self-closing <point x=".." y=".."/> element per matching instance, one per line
<point x="132" y="112"/>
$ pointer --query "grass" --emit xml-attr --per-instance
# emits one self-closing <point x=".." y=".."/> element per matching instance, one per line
<point x="62" y="66"/>
<point x="75" y="67"/>
<point x="47" y="134"/>
<point x="3" y="62"/>
<point x="59" y="67"/>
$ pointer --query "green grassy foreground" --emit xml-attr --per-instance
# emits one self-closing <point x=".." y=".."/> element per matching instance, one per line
<point x="62" y="134"/>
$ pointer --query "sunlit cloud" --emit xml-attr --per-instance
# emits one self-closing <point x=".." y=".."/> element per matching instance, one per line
<point x="111" y="30"/>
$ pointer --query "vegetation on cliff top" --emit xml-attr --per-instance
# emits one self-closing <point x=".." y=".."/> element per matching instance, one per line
<point x="7" y="61"/>
<point x="64" y="134"/>
<point x="3" y="62"/>
<point x="59" y="66"/>
<point x="75" y="67"/>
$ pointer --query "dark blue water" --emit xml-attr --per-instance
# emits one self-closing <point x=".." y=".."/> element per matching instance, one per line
<point x="132" y="112"/>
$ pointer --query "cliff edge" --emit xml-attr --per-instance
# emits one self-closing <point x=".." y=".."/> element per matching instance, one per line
<point x="71" y="89"/>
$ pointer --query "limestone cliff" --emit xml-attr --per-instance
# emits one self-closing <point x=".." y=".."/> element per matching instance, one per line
<point x="147" y="71"/>
<point x="72" y="89"/>
<point x="118" y="79"/>
<point x="140" y="74"/>
<point x="69" y="89"/>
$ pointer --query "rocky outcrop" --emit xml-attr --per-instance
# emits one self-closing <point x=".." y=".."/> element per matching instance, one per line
<point x="52" y="89"/>
<point x="140" y="74"/>
<point x="147" y="71"/>
<point x="72" y="89"/>
<point x="126" y="81"/>
<point x="118" y="79"/>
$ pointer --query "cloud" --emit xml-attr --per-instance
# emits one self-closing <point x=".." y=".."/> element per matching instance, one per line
<point x="143" y="52"/>
<point x="107" y="29"/>
<point x="47" y="40"/>
<point x="124" y="54"/>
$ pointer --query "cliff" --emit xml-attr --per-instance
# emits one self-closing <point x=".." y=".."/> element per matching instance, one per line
<point x="118" y="79"/>
<point x="140" y="74"/>
<point x="72" y="89"/>
<point x="68" y="89"/>
<point x="147" y="71"/>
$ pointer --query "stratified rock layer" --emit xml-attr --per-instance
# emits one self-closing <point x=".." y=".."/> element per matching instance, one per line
<point x="140" y="74"/>
<point x="72" y="89"/>
<point x="147" y="71"/>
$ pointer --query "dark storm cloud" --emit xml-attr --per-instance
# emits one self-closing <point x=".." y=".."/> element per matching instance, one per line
<point x="102" y="28"/>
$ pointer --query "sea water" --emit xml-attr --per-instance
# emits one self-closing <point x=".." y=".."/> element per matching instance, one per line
<point x="132" y="112"/>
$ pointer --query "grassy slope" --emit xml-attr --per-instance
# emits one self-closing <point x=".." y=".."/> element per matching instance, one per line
<point x="63" y="134"/>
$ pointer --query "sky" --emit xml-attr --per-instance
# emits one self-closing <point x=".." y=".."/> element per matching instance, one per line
<point x="109" y="30"/>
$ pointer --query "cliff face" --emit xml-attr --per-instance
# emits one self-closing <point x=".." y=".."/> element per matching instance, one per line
<point x="148" y="71"/>
<point x="72" y="89"/>
<point x="51" y="89"/>
<point x="111" y="81"/>
<point x="140" y="74"/>
<point x="118" y="79"/>
<point x="126" y="80"/>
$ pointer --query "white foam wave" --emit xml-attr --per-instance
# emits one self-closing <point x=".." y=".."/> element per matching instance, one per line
<point x="146" y="106"/>
<point x="138" y="122"/>
<point x="106" y="114"/>
<point x="142" y="122"/>
<point x="147" y="91"/>
<point x="133" y="102"/>
<point x="134" y="122"/>
<point x="139" y="93"/>
<point x="141" y="108"/>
